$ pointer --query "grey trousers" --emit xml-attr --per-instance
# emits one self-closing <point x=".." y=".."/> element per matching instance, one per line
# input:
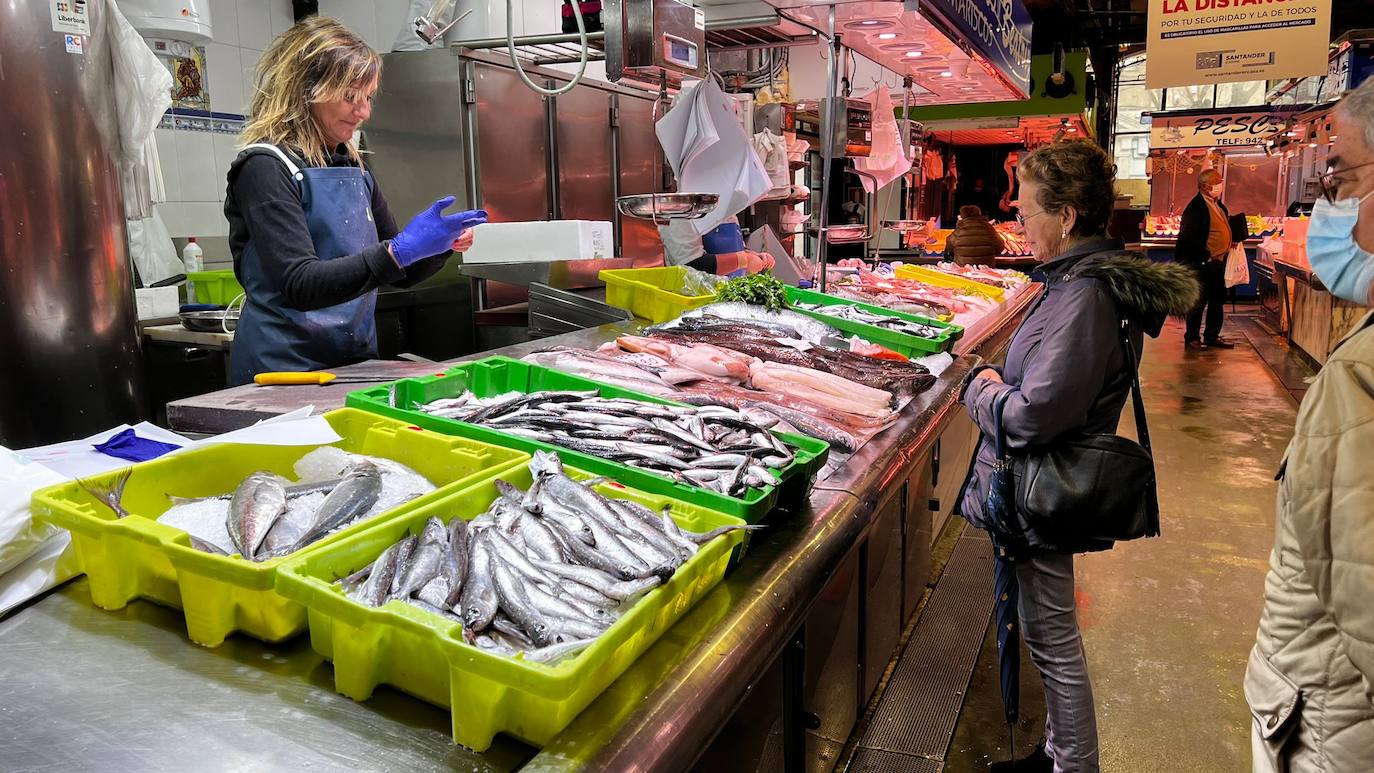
<point x="1049" y="626"/>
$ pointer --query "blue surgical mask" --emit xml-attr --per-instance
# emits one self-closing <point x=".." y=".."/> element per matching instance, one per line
<point x="1343" y="266"/>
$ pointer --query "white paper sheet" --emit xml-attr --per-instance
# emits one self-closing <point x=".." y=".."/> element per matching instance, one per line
<point x="297" y="428"/>
<point x="78" y="459"/>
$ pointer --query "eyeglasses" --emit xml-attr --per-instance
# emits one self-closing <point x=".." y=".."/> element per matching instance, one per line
<point x="1330" y="185"/>
<point x="1022" y="218"/>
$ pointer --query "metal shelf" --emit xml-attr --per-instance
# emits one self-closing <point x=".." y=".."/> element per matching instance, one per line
<point x="565" y="48"/>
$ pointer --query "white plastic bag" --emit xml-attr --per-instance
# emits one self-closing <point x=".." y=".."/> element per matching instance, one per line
<point x="772" y="150"/>
<point x="143" y="92"/>
<point x="1237" y="268"/>
<point x="152" y="250"/>
<point x="888" y="160"/>
<point x="20" y="535"/>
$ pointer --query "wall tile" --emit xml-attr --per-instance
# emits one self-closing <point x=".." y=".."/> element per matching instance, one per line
<point x="167" y="155"/>
<point x="392" y="16"/>
<point x="224" y="17"/>
<point x="194" y="218"/>
<point x="360" y="16"/>
<point x="226" y="150"/>
<point x="255" y="25"/>
<point x="279" y="14"/>
<point x="248" y="59"/>
<point x="196" y="158"/>
<point x="224" y="76"/>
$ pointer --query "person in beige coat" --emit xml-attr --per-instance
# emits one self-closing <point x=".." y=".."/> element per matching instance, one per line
<point x="1310" y="679"/>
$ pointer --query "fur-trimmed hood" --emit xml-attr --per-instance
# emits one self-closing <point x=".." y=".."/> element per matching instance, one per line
<point x="1145" y="291"/>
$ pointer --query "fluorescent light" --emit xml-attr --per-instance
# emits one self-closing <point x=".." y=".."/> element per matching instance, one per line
<point x="946" y="74"/>
<point x="869" y="22"/>
<point x="886" y="35"/>
<point x="913" y="54"/>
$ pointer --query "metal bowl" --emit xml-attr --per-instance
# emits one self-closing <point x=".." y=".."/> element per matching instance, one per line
<point x="662" y="207"/>
<point x="846" y="234"/>
<point x="210" y="321"/>
<point x="905" y="226"/>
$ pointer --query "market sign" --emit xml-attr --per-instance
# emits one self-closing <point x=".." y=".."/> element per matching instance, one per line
<point x="1215" y="130"/>
<point x="999" y="30"/>
<point x="1201" y="42"/>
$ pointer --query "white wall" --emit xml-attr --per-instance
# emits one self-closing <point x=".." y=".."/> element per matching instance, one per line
<point x="195" y="162"/>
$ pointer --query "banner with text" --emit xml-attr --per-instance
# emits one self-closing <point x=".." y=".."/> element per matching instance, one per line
<point x="999" y="30"/>
<point x="1215" y="130"/>
<point x="1200" y="42"/>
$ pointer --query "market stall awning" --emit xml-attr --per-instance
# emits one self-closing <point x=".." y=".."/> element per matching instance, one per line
<point x="1056" y="104"/>
<point x="955" y="50"/>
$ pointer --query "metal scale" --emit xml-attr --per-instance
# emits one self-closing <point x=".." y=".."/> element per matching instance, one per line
<point x="657" y="42"/>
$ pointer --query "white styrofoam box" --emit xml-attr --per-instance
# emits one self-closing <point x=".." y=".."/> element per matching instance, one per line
<point x="196" y="161"/>
<point x="225" y="15"/>
<point x="193" y="218"/>
<point x="255" y="25"/>
<point x="167" y="157"/>
<point x="157" y="302"/>
<point x="224" y="76"/>
<point x="540" y="241"/>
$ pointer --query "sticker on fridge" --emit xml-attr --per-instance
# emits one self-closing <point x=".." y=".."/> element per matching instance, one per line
<point x="74" y="44"/>
<point x="70" y="16"/>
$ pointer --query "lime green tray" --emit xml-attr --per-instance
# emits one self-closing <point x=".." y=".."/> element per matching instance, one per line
<point x="497" y="375"/>
<point x="424" y="654"/>
<point x="644" y="292"/>
<point x="137" y="557"/>
<point x="902" y="343"/>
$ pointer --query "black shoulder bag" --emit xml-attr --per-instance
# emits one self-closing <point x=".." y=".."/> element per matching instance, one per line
<point x="1093" y="486"/>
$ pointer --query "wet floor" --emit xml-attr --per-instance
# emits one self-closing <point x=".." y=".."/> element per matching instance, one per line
<point x="1168" y="622"/>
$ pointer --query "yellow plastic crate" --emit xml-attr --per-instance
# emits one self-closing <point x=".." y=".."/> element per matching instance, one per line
<point x="939" y="278"/>
<point x="425" y="655"/>
<point x="643" y="292"/>
<point x="137" y="557"/>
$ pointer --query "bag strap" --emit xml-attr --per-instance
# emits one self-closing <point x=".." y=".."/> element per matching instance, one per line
<point x="1141" y="427"/>
<point x="999" y="436"/>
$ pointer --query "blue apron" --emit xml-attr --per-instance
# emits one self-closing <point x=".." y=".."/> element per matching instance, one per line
<point x="272" y="337"/>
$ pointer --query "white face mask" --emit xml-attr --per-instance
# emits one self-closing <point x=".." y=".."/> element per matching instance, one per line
<point x="1344" y="267"/>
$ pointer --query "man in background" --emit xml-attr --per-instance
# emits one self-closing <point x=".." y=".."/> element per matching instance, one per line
<point x="1204" y="238"/>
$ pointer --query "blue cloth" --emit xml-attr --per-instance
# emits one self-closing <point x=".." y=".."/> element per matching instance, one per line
<point x="271" y="336"/>
<point x="127" y="445"/>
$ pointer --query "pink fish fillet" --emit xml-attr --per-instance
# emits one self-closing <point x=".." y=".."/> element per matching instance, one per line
<point x="712" y="362"/>
<point x="650" y="362"/>
<point x="824" y="389"/>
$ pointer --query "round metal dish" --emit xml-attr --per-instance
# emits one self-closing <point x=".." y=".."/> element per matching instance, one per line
<point x="663" y="207"/>
<point x="905" y="226"/>
<point x="846" y="234"/>
<point x="210" y="321"/>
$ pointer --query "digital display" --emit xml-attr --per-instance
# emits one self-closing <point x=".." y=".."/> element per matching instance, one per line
<point x="680" y="52"/>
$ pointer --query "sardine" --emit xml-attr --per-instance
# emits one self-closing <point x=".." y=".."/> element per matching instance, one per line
<point x="425" y="563"/>
<point x="255" y="506"/>
<point x="479" y="599"/>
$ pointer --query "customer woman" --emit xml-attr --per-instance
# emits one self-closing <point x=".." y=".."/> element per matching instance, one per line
<point x="310" y="232"/>
<point x="1066" y="374"/>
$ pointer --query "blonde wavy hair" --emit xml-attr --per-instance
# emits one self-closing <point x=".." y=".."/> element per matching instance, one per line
<point x="317" y="60"/>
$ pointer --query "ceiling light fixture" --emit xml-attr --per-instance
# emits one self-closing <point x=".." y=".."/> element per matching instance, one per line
<point x="946" y="74"/>
<point x="887" y="35"/>
<point x="913" y="54"/>
<point x="869" y="22"/>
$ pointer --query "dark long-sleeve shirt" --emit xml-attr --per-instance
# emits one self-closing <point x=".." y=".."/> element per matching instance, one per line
<point x="264" y="204"/>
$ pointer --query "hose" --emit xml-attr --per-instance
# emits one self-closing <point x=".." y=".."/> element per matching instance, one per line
<point x="515" y="60"/>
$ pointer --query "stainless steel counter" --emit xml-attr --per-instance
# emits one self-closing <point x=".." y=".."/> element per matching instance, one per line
<point x="83" y="688"/>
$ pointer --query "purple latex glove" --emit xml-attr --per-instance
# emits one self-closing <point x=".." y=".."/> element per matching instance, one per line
<point x="432" y="232"/>
<point x="127" y="445"/>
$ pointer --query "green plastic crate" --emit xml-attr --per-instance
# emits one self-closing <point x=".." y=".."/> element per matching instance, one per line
<point x="902" y="343"/>
<point x="137" y="557"/>
<point x="496" y="375"/>
<point x="644" y="292"/>
<point x="424" y="655"/>
<point x="217" y="287"/>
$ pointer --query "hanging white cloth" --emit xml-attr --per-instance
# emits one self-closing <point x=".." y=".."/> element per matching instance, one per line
<point x="887" y="161"/>
<point x="709" y="152"/>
